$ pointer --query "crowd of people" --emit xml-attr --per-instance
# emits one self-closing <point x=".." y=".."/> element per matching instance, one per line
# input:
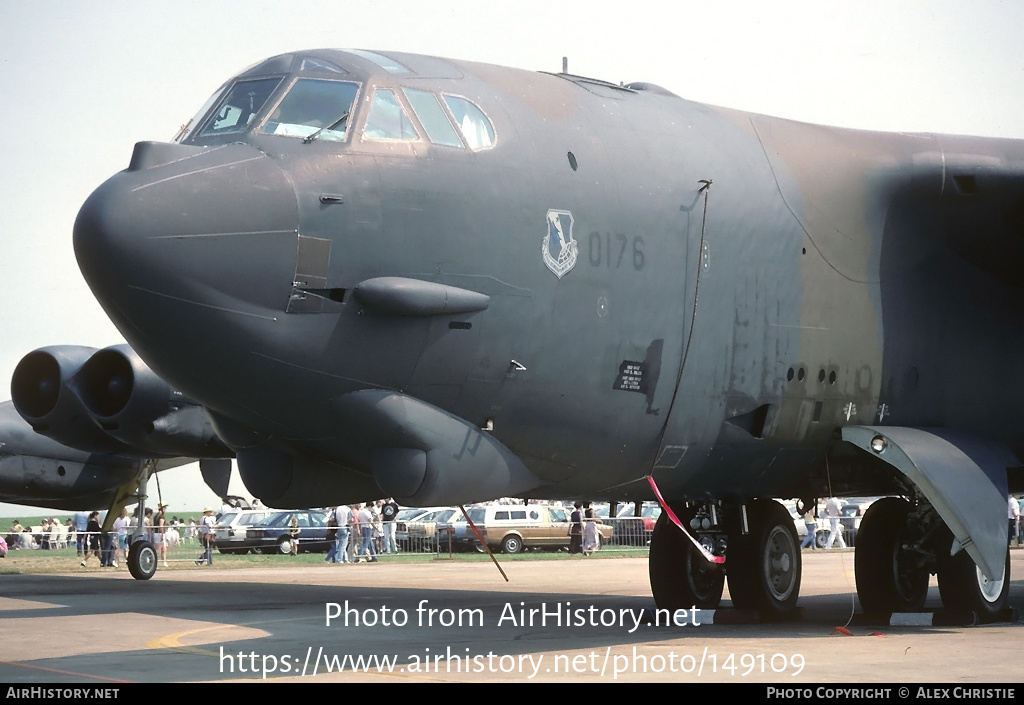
<point x="84" y="531"/>
<point x="371" y="525"/>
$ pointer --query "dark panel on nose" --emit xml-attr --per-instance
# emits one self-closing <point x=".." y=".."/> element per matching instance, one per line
<point x="216" y="226"/>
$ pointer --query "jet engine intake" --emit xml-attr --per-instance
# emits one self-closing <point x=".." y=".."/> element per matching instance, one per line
<point x="109" y="401"/>
<point x="132" y="404"/>
<point x="41" y="395"/>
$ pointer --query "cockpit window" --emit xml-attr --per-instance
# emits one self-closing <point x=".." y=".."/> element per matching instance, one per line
<point x="386" y="63"/>
<point x="433" y="117"/>
<point x="475" y="126"/>
<point x="311" y="64"/>
<point x="189" y="127"/>
<point x="313" y="106"/>
<point x="238" y="108"/>
<point x="387" y="119"/>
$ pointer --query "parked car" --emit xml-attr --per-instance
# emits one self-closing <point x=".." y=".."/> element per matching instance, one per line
<point x="402" y="521"/>
<point x="631" y="530"/>
<point x="424" y="532"/>
<point x="229" y="531"/>
<point x="272" y="535"/>
<point x="514" y="527"/>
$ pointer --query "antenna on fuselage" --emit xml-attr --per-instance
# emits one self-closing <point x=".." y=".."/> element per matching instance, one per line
<point x="565" y="64"/>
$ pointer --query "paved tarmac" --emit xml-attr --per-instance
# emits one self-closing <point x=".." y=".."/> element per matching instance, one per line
<point x="211" y="624"/>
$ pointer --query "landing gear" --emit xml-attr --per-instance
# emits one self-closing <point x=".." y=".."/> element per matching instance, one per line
<point x="891" y="575"/>
<point x="681" y="578"/>
<point x="142" y="560"/>
<point x="963" y="587"/>
<point x="764" y="564"/>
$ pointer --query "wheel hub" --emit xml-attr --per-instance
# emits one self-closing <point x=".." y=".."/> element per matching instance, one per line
<point x="778" y="564"/>
<point x="990" y="589"/>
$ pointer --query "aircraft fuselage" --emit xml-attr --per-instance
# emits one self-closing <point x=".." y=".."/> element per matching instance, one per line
<point x="648" y="285"/>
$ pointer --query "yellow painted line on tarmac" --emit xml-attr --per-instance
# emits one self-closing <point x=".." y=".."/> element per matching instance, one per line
<point x="173" y="640"/>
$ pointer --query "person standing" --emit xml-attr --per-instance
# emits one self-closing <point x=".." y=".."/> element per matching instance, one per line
<point x="811" y="540"/>
<point x="343" y="518"/>
<point x="332" y="536"/>
<point x="591" y="539"/>
<point x="159" y="531"/>
<point x="576" y="530"/>
<point x="206" y="524"/>
<point x="388" y="513"/>
<point x="92" y="530"/>
<point x="293" y="534"/>
<point x="81" y="526"/>
<point x="1013" y="513"/>
<point x="834" y="510"/>
<point x="121" y="532"/>
<point x="365" y="516"/>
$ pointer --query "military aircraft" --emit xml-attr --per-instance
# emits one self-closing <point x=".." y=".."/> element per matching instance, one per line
<point x="446" y="281"/>
<point x="86" y="428"/>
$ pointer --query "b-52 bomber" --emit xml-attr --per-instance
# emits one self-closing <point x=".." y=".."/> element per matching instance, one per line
<point x="447" y="281"/>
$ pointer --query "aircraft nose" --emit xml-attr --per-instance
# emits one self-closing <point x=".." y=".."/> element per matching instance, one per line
<point x="206" y="227"/>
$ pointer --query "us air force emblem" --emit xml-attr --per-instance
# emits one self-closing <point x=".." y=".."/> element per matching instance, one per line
<point x="559" y="249"/>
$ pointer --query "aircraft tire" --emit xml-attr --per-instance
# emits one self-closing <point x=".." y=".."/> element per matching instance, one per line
<point x="142" y="560"/>
<point x="963" y="587"/>
<point x="764" y="565"/>
<point x="887" y="581"/>
<point x="681" y="578"/>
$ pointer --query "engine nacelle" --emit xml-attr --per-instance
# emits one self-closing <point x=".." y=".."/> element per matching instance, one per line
<point x="128" y="401"/>
<point x="109" y="401"/>
<point x="40" y="391"/>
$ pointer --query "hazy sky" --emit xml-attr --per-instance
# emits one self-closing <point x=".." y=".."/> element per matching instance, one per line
<point x="80" y="83"/>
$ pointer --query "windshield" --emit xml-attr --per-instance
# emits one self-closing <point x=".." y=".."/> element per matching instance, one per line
<point x="239" y="107"/>
<point x="311" y="107"/>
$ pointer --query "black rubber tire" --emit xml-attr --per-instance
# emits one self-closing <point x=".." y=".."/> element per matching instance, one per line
<point x="284" y="546"/>
<point x="963" y="587"/>
<point x="681" y="578"/>
<point x="764" y="566"/>
<point x="887" y="581"/>
<point x="142" y="560"/>
<point x="512" y="544"/>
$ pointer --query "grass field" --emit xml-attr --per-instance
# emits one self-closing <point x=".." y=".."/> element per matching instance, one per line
<point x="66" y="560"/>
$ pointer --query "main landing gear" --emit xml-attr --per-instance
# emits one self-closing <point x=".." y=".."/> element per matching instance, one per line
<point x="681" y="578"/>
<point x="763" y="563"/>
<point x="900" y="544"/>
<point x="891" y="575"/>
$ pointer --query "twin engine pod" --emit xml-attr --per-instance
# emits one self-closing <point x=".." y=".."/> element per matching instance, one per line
<point x="108" y="401"/>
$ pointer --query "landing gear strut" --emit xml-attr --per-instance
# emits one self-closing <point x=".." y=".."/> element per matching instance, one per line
<point x="681" y="578"/>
